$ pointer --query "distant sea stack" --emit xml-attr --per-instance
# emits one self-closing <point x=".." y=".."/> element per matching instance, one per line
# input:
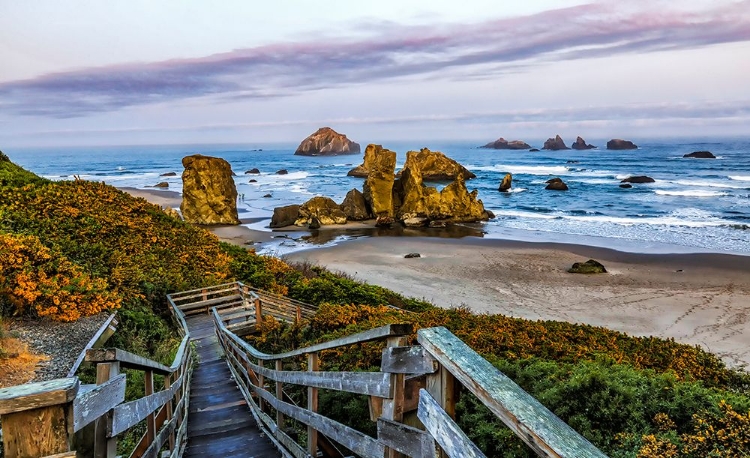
<point x="208" y="192"/>
<point x="555" y="144"/>
<point x="701" y="155"/>
<point x="502" y="143"/>
<point x="326" y="142"/>
<point x="580" y="144"/>
<point x="618" y="144"/>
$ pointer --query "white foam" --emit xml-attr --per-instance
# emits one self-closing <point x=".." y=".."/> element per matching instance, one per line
<point x="516" y="190"/>
<point x="739" y="177"/>
<point x="523" y="214"/>
<point x="709" y="184"/>
<point x="690" y="193"/>
<point x="687" y="218"/>
<point x="525" y="169"/>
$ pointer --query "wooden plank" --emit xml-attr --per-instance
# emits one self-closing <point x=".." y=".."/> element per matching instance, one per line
<point x="105" y="446"/>
<point x="407" y="360"/>
<point x="181" y="355"/>
<point x="313" y="364"/>
<point x="128" y="414"/>
<point x="359" y="443"/>
<point x="38" y="432"/>
<point x="100" y="336"/>
<point x="405" y="439"/>
<point x="161" y="438"/>
<point x="182" y="294"/>
<point x="539" y="428"/>
<point x="127" y="360"/>
<point x="182" y="299"/>
<point x="94" y="403"/>
<point x="209" y="302"/>
<point x="369" y="383"/>
<point x="70" y="454"/>
<point x="38" y="394"/>
<point x="445" y="431"/>
<point x="411" y="392"/>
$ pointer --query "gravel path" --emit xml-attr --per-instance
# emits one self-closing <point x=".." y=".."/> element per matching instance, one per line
<point x="62" y="342"/>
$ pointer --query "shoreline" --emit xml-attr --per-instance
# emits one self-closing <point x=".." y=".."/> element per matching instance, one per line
<point x="697" y="298"/>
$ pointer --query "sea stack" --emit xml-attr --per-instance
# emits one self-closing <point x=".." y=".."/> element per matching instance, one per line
<point x="580" y="144"/>
<point x="208" y="192"/>
<point x="619" y="144"/>
<point x="555" y="144"/>
<point x="502" y="143"/>
<point x="326" y="142"/>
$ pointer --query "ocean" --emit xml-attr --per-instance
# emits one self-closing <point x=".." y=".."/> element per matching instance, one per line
<point x="695" y="205"/>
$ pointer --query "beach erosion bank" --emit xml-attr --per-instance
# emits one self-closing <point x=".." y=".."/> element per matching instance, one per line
<point x="698" y="299"/>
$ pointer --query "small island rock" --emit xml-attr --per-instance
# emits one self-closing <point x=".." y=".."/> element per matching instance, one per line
<point x="580" y="144"/>
<point x="209" y="195"/>
<point x="701" y="155"/>
<point x="506" y="183"/>
<point x="326" y="142"/>
<point x="534" y="150"/>
<point x="638" y="179"/>
<point x="556" y="184"/>
<point x="502" y="143"/>
<point x="626" y="186"/>
<point x="619" y="144"/>
<point x="555" y="144"/>
<point x="282" y="172"/>
<point x="284" y="216"/>
<point x="588" y="267"/>
<point x="252" y="171"/>
<point x="412" y="255"/>
<point x="162" y="184"/>
<point x="169" y="174"/>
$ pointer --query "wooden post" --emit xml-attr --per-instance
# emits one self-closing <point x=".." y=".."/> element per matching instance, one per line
<point x="393" y="409"/>
<point x="262" y="386"/>
<point x="105" y="447"/>
<point x="442" y="385"/>
<point x="280" y="396"/>
<point x="38" y="417"/>
<point x="313" y="364"/>
<point x="148" y="378"/>
<point x="204" y="297"/>
<point x="170" y="407"/>
<point x="298" y="317"/>
<point x="258" y="311"/>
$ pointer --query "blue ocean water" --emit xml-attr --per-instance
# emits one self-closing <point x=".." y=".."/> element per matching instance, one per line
<point x="694" y="205"/>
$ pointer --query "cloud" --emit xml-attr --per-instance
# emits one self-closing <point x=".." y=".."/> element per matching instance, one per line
<point x="438" y="51"/>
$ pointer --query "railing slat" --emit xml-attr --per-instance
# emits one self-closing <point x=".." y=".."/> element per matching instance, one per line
<point x="445" y="431"/>
<point x="128" y="414"/>
<point x="536" y="425"/>
<point x="406" y="439"/>
<point x="127" y="360"/>
<point x="94" y="403"/>
<point x="104" y="332"/>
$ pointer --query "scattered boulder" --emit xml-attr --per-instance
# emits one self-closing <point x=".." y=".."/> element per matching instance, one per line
<point x="416" y="222"/>
<point x="534" y="150"/>
<point x="618" y="144"/>
<point x="626" y="186"/>
<point x="378" y="187"/>
<point x="580" y="144"/>
<point x="323" y="208"/>
<point x="354" y="206"/>
<point x="556" y="184"/>
<point x="169" y="174"/>
<point x="253" y="181"/>
<point x="506" y="183"/>
<point x="502" y="143"/>
<point x="572" y="162"/>
<point x="436" y="166"/>
<point x="555" y="144"/>
<point x="384" y="221"/>
<point x="267" y="195"/>
<point x="284" y="216"/>
<point x="438" y="224"/>
<point x="209" y="195"/>
<point x="412" y="255"/>
<point x="588" y="267"/>
<point x="162" y="184"/>
<point x="282" y="172"/>
<point x="252" y="172"/>
<point x="638" y="179"/>
<point x="701" y="155"/>
<point x="326" y="142"/>
<point x="314" y="223"/>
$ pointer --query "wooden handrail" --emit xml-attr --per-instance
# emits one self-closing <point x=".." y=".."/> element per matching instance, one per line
<point x="104" y="332"/>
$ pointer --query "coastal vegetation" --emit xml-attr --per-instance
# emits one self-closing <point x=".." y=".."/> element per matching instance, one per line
<point x="73" y="248"/>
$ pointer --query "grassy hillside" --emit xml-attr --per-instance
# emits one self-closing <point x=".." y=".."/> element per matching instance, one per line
<point x="74" y="248"/>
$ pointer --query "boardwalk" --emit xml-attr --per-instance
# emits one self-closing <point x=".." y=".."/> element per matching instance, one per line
<point x="220" y="423"/>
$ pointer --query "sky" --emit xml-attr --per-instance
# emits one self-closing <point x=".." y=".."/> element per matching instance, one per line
<point x="184" y="72"/>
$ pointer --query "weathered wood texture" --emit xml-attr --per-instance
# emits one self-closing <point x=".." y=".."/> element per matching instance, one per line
<point x="445" y="431"/>
<point x="104" y="332"/>
<point x="539" y="428"/>
<point x="96" y="402"/>
<point x="221" y="424"/>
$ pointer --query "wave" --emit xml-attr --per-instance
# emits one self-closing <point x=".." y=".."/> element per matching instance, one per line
<point x="690" y="193"/>
<point x="525" y="169"/>
<point x="708" y="184"/>
<point x="290" y="176"/>
<point x="516" y="190"/>
<point x="677" y="218"/>
<point x="739" y="177"/>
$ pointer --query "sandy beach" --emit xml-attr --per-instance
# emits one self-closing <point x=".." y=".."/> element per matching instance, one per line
<point x="700" y="299"/>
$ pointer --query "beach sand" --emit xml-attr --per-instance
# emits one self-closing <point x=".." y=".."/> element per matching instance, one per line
<point x="700" y="299"/>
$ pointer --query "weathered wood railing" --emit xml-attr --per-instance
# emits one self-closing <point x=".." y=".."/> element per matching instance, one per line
<point x="63" y="418"/>
<point x="422" y="379"/>
<point x="242" y="305"/>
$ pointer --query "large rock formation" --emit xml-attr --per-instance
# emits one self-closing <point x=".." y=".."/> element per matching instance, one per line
<point x="378" y="187"/>
<point x="208" y="192"/>
<point x="555" y="144"/>
<point x="701" y="155"/>
<point x="436" y="166"/>
<point x="502" y="143"/>
<point x="284" y="216"/>
<point x="580" y="144"/>
<point x="322" y="209"/>
<point x="361" y="171"/>
<point x="326" y="142"/>
<point x="355" y="207"/>
<point x="423" y="204"/>
<point x="618" y="144"/>
<point x="507" y="183"/>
